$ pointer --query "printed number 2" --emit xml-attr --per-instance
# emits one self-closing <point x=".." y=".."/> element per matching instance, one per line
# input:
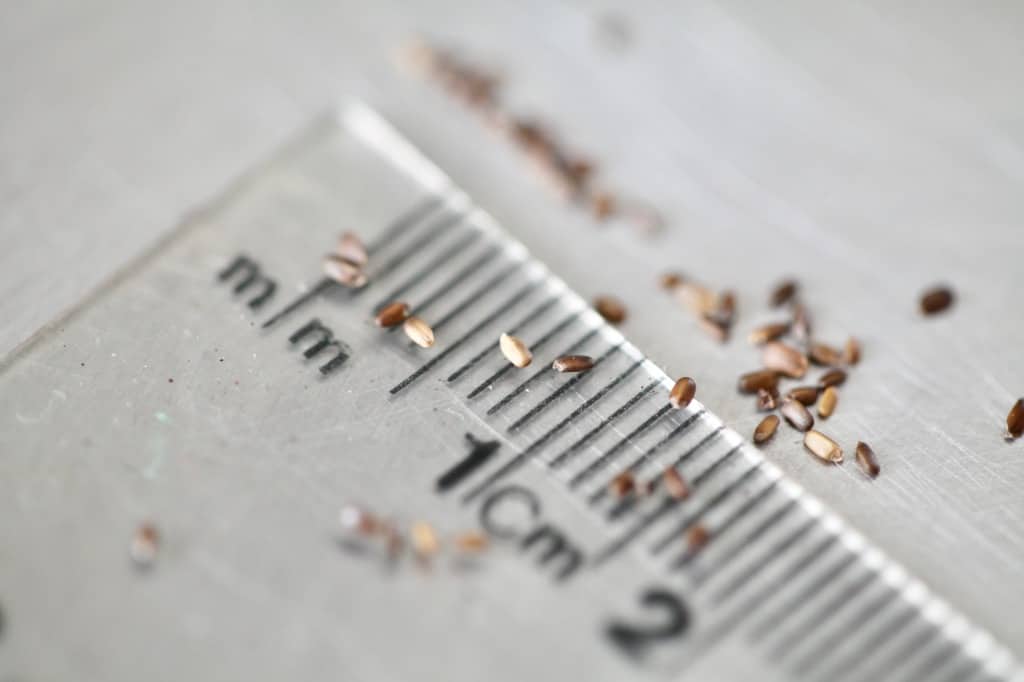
<point x="637" y="640"/>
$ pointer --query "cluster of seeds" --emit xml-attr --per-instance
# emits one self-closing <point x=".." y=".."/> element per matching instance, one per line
<point x="715" y="312"/>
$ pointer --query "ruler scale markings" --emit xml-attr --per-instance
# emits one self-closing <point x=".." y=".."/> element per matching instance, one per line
<point x="627" y="439"/>
<point x="518" y="390"/>
<point x="563" y="457"/>
<point x="508" y="366"/>
<point x="431" y="232"/>
<point x="898" y="656"/>
<point x="934" y="663"/>
<point x="961" y="671"/>
<point x="493" y="347"/>
<point x="478" y="294"/>
<point x="464" y="242"/>
<point x="476" y="329"/>
<point x="862" y="653"/>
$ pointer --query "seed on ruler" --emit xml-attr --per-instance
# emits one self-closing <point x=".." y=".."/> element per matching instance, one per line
<point x="697" y="537"/>
<point x="622" y="485"/>
<point x="796" y="414"/>
<point x="766" y="429"/>
<point x="611" y="309"/>
<point x="344" y="272"/>
<point x="572" y="363"/>
<point x="828" y="402"/>
<point x="768" y="332"/>
<point x="833" y="377"/>
<point x="936" y="300"/>
<point x="350" y="248"/>
<point x="603" y="205"/>
<point x="714" y="328"/>
<point x="823" y="447"/>
<point x="682" y="392"/>
<point x="801" y="326"/>
<point x="419" y="331"/>
<point x="145" y="544"/>
<point x="806" y="395"/>
<point x="670" y="281"/>
<point x="752" y="382"/>
<point x="392" y="315"/>
<point x="698" y="299"/>
<point x="357" y="522"/>
<point x="782" y="358"/>
<point x="823" y="354"/>
<point x="675" y="484"/>
<point x="424" y="540"/>
<point x="867" y="460"/>
<point x="783" y="293"/>
<point x="515" y="350"/>
<point x="1015" y="421"/>
<point x="851" y="351"/>
<point x="767" y="399"/>
<point x="470" y="542"/>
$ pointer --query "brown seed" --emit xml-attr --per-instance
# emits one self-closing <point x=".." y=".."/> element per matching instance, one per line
<point x="796" y="414"/>
<point x="1015" y="420"/>
<point x="783" y="293"/>
<point x="344" y="272"/>
<point x="851" y="351"/>
<point x="682" y="392"/>
<point x="470" y="542"/>
<point x="610" y="309"/>
<point x="785" y="359"/>
<point x="698" y="299"/>
<point x="833" y="377"/>
<point x="725" y="309"/>
<point x="823" y="447"/>
<point x="350" y="247"/>
<point x="419" y="331"/>
<point x="766" y="429"/>
<point x="603" y="205"/>
<point x="823" y="354"/>
<point x="697" y="537"/>
<point x="515" y="350"/>
<point x="394" y="543"/>
<point x="828" y="402"/>
<point x="714" y="328"/>
<point x="670" y="280"/>
<point x="801" y="326"/>
<point x="424" y="540"/>
<point x="805" y="395"/>
<point x="936" y="300"/>
<point x="752" y="382"/>
<point x="675" y="484"/>
<point x="572" y="363"/>
<point x="867" y="460"/>
<point x="392" y="315"/>
<point x="622" y="485"/>
<point x="768" y="332"/>
<point x="767" y="399"/>
<point x="145" y="544"/>
<point x="356" y="521"/>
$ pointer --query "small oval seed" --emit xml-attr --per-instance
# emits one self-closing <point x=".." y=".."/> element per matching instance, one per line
<point x="470" y="542"/>
<point x="823" y="354"/>
<point x="145" y="544"/>
<point x="752" y="382"/>
<point x="833" y="377"/>
<point x="785" y="359"/>
<point x="610" y="309"/>
<point x="796" y="415"/>
<point x="767" y="400"/>
<point x="936" y="300"/>
<point x="783" y="293"/>
<point x="697" y="299"/>
<point x="350" y="247"/>
<point x="828" y="402"/>
<point x="514" y="350"/>
<point x="766" y="429"/>
<point x="806" y="395"/>
<point x="573" y="363"/>
<point x="768" y="332"/>
<point x="344" y="272"/>
<point x="356" y="521"/>
<point x="867" y="460"/>
<point x="670" y="280"/>
<point x="392" y="315"/>
<point x="823" y="447"/>
<point x="725" y="308"/>
<point x="419" y="331"/>
<point x="622" y="485"/>
<point x="682" y="392"/>
<point x="851" y="351"/>
<point x="423" y="539"/>
<point x="1015" y="421"/>
<point x="675" y="484"/>
<point x="697" y="537"/>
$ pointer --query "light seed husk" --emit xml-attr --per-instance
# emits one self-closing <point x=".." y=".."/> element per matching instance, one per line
<point x="424" y="540"/>
<point x="936" y="300"/>
<point x="682" y="392"/>
<point x="768" y="332"/>
<point x="611" y="309"/>
<point x="419" y="331"/>
<point x="782" y="358"/>
<point x="392" y="315"/>
<point x="833" y="377"/>
<point x="796" y="415"/>
<point x="675" y="484"/>
<point x="572" y="363"/>
<point x="697" y="299"/>
<point x="752" y="382"/>
<point x="806" y="395"/>
<point x="714" y="328"/>
<point x="1015" y="421"/>
<point x="514" y="350"/>
<point x="766" y="429"/>
<point x="867" y="460"/>
<point x="350" y="247"/>
<point x="823" y="447"/>
<point x="824" y="354"/>
<point x="345" y="273"/>
<point x="767" y="399"/>
<point x="801" y="327"/>
<point x="783" y="293"/>
<point x="470" y="542"/>
<point x="828" y="402"/>
<point x="851" y="351"/>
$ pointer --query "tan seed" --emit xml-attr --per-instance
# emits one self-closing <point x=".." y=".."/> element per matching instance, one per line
<point x="350" y="247"/>
<point x="622" y="485"/>
<point x="768" y="332"/>
<point x="424" y="540"/>
<point x="823" y="447"/>
<point x="419" y="332"/>
<point x="796" y="414"/>
<point x="752" y="382"/>
<point x="783" y="293"/>
<point x="806" y="395"/>
<point x="470" y="542"/>
<point x="344" y="272"/>
<point x="145" y="544"/>
<point x="851" y="351"/>
<point x="670" y="280"/>
<point x="714" y="328"/>
<point x="697" y="299"/>
<point x="1015" y="421"/>
<point x="936" y="300"/>
<point x="515" y="350"/>
<point x="828" y="402"/>
<point x="675" y="484"/>
<point x="682" y="392"/>
<point x="392" y="315"/>
<point x="833" y="377"/>
<point x="782" y="358"/>
<point x="801" y="326"/>
<point x="603" y="205"/>
<point x="697" y="537"/>
<point x="823" y="354"/>
<point x="610" y="309"/>
<point x="766" y="429"/>
<point x="573" y="363"/>
<point x="867" y="460"/>
<point x="767" y="399"/>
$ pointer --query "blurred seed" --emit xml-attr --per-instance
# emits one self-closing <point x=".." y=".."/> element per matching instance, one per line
<point x="682" y="392"/>
<point x="936" y="300"/>
<point x="697" y="537"/>
<point x="805" y="395"/>
<point x="344" y="272"/>
<point x="823" y="354"/>
<point x="392" y="315"/>
<point x="867" y="460"/>
<point x="783" y="293"/>
<point x="725" y="309"/>
<point x="424" y="540"/>
<point x="670" y="280"/>
<point x="610" y="309"/>
<point x="350" y="248"/>
<point x="714" y="328"/>
<point x="796" y="414"/>
<point x="828" y="402"/>
<point x="355" y="520"/>
<point x="1015" y="421"/>
<point x="515" y="350"/>
<point x="785" y="359"/>
<point x="823" y="447"/>
<point x="697" y="299"/>
<point x="470" y="542"/>
<point x="602" y="204"/>
<point x="419" y="332"/>
<point x="145" y="544"/>
<point x="833" y="377"/>
<point x="622" y="485"/>
<point x="573" y="363"/>
<point x="768" y="332"/>
<point x="767" y="399"/>
<point x="766" y="429"/>
<point x="675" y="484"/>
<point x="752" y="382"/>
<point x="851" y="351"/>
<point x="801" y="326"/>
<point x="394" y="543"/>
